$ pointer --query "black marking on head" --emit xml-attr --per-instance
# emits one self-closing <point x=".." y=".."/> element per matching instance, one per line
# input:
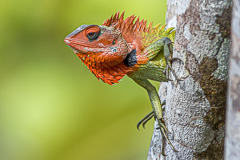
<point x="131" y="59"/>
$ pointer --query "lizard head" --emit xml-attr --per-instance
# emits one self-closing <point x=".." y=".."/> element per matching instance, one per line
<point x="105" y="45"/>
<point x="110" y="50"/>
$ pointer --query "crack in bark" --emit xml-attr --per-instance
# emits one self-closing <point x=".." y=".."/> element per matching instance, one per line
<point x="220" y="46"/>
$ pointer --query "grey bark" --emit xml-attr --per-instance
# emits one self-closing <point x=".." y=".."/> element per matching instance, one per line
<point x="232" y="138"/>
<point x="195" y="106"/>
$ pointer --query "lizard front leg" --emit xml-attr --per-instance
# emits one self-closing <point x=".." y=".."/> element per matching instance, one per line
<point x="168" y="57"/>
<point x="156" y="105"/>
<point x="162" y="49"/>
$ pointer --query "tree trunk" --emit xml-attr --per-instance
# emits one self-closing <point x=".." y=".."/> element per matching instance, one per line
<point x="195" y="106"/>
<point x="232" y="143"/>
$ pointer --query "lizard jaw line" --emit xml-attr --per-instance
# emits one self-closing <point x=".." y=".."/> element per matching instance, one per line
<point x="75" y="50"/>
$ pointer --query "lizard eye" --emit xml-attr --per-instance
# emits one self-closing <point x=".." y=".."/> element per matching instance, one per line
<point x="92" y="33"/>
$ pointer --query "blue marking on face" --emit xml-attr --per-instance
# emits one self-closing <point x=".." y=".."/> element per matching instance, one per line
<point x="113" y="49"/>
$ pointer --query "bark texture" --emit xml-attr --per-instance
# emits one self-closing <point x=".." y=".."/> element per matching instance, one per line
<point x="195" y="107"/>
<point x="232" y="138"/>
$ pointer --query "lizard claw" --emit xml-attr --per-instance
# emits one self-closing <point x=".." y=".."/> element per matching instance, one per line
<point x="145" y="119"/>
<point x="164" y="132"/>
<point x="145" y="122"/>
<point x="149" y="116"/>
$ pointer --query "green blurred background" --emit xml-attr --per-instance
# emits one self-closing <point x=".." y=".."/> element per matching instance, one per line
<point x="51" y="106"/>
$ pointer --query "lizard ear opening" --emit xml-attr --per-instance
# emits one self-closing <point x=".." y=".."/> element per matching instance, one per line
<point x="114" y="42"/>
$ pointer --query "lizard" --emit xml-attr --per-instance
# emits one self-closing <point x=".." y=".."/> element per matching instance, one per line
<point x="129" y="47"/>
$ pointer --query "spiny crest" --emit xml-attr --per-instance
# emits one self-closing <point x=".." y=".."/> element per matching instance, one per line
<point x="156" y="33"/>
<point x="128" y="25"/>
<point x="150" y="34"/>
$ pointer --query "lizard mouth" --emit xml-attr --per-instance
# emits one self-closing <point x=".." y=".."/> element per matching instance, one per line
<point x="69" y="45"/>
<point x="81" y="47"/>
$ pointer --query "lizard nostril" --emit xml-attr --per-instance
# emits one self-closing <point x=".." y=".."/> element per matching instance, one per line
<point x="66" y="41"/>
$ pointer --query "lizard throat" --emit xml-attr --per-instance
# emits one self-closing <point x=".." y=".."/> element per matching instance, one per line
<point x="108" y="73"/>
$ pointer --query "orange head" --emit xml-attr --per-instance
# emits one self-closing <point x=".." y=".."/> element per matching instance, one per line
<point x="111" y="50"/>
